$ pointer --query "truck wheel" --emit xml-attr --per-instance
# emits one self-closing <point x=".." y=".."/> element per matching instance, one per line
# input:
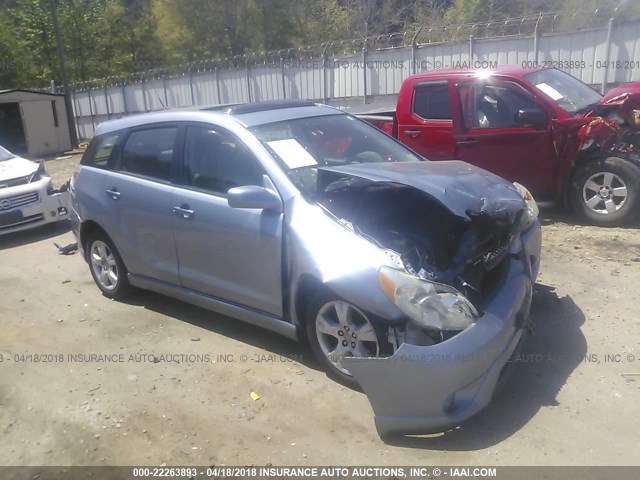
<point x="337" y="329"/>
<point x="606" y="192"/>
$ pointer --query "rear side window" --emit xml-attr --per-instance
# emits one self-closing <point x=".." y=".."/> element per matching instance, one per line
<point x="100" y="152"/>
<point x="431" y="102"/>
<point x="149" y="153"/>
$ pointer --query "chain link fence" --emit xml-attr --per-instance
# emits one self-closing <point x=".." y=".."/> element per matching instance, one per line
<point x="364" y="74"/>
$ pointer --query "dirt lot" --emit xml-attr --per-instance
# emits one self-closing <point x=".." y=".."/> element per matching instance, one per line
<point x="568" y="404"/>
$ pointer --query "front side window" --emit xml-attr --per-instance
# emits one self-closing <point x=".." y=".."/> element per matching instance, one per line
<point x="215" y="161"/>
<point x="100" y="152"/>
<point x="301" y="145"/>
<point x="431" y="102"/>
<point x="486" y="105"/>
<point x="149" y="153"/>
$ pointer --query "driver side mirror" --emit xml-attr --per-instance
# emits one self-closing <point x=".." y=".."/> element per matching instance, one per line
<point x="531" y="117"/>
<point x="253" y="196"/>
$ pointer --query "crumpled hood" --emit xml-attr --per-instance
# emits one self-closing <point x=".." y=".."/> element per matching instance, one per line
<point x="463" y="188"/>
<point x="616" y="115"/>
<point x="629" y="88"/>
<point x="622" y="105"/>
<point x="16" y="167"/>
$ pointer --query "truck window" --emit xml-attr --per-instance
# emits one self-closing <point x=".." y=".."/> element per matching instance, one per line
<point x="431" y="102"/>
<point x="492" y="106"/>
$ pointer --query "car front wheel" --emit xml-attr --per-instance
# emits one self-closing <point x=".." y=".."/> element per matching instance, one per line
<point x="606" y="192"/>
<point x="337" y="329"/>
<point x="107" y="267"/>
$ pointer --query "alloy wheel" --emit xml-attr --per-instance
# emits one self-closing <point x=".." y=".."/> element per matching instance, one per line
<point x="104" y="265"/>
<point x="345" y="331"/>
<point x="604" y="193"/>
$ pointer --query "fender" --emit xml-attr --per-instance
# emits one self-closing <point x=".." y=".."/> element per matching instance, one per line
<point x="611" y="127"/>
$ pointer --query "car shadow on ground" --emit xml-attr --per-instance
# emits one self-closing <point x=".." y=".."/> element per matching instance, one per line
<point x="543" y="366"/>
<point x="25" y="237"/>
<point x="226" y="326"/>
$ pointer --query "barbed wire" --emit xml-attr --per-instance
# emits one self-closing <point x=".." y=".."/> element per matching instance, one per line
<point x="542" y="22"/>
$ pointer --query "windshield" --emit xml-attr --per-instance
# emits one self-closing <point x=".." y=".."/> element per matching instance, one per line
<point x="5" y="154"/>
<point x="302" y="145"/>
<point x="573" y="96"/>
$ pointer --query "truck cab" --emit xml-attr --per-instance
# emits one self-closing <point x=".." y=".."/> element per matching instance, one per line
<point x="539" y="127"/>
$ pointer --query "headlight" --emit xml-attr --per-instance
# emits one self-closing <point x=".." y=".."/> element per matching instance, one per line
<point x="532" y="211"/>
<point x="427" y="304"/>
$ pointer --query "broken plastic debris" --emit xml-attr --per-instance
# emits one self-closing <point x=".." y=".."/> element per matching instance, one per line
<point x="255" y="396"/>
<point x="67" y="249"/>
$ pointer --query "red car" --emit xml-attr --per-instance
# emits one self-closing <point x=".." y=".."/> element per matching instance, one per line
<point x="542" y="128"/>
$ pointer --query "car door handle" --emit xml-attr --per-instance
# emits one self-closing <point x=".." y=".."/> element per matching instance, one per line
<point x="183" y="211"/>
<point x="467" y="143"/>
<point x="113" y="194"/>
<point x="412" y="133"/>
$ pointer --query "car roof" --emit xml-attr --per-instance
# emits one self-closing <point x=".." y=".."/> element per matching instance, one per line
<point x="444" y="74"/>
<point x="248" y="115"/>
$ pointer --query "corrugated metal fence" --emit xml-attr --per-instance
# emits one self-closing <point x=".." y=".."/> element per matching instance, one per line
<point x="361" y="81"/>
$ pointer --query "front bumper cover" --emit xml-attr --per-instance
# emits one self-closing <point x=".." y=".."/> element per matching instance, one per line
<point x="428" y="389"/>
<point x="48" y="206"/>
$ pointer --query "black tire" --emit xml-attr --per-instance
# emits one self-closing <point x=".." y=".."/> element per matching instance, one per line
<point x="119" y="288"/>
<point x="325" y="299"/>
<point x="622" y="210"/>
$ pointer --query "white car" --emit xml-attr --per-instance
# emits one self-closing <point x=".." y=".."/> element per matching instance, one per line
<point x="27" y="197"/>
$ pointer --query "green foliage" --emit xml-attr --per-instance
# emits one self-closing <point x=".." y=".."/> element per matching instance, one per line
<point x="116" y="37"/>
<point x="580" y="13"/>
<point x="32" y="43"/>
<point x="318" y="21"/>
<point x="467" y="11"/>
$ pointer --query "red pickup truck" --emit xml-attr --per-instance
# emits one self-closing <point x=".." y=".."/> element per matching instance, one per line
<point x="539" y="127"/>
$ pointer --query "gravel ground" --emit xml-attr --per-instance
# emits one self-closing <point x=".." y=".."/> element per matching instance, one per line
<point x="570" y="401"/>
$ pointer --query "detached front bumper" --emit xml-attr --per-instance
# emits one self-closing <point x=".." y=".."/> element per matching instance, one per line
<point x="32" y="205"/>
<point x="428" y="389"/>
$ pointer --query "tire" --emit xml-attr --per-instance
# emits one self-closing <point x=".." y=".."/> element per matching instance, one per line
<point x="330" y="318"/>
<point x="606" y="192"/>
<point x="106" y="266"/>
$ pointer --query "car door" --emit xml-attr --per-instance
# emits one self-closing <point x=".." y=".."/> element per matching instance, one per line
<point x="427" y="127"/>
<point x="490" y="136"/>
<point x="140" y="193"/>
<point x="233" y="254"/>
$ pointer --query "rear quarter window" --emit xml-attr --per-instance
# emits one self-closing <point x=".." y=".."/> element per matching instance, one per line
<point x="100" y="153"/>
<point x="431" y="101"/>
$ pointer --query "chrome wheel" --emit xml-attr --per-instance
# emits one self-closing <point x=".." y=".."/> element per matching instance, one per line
<point x="345" y="331"/>
<point x="104" y="265"/>
<point x="604" y="193"/>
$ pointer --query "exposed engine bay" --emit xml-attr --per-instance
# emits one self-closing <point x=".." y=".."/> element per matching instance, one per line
<point x="612" y="125"/>
<point x="421" y="234"/>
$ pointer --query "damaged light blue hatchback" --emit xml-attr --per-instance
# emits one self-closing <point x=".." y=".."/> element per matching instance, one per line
<point x="409" y="278"/>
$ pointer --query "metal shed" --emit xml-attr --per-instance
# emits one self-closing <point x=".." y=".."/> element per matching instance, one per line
<point x="33" y="123"/>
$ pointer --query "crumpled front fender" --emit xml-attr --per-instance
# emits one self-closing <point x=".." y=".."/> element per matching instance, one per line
<point x="612" y="126"/>
<point x="427" y="389"/>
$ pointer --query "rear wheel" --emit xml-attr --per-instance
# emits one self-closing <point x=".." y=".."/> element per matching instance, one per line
<point x="337" y="329"/>
<point x="107" y="267"/>
<point x="606" y="192"/>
